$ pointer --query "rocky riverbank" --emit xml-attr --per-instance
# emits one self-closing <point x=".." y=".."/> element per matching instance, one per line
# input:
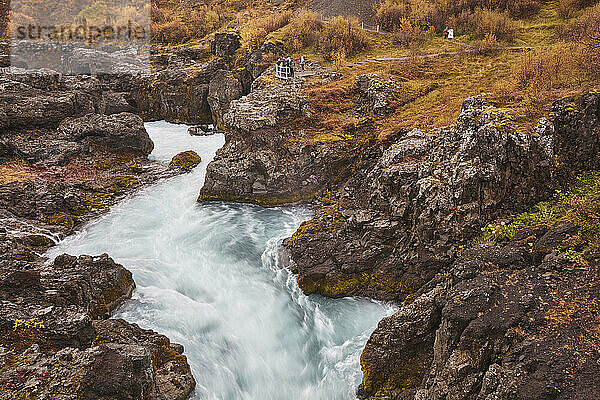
<point x="402" y="221"/>
<point x="63" y="161"/>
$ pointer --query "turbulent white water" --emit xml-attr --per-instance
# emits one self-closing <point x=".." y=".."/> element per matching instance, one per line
<point x="207" y="277"/>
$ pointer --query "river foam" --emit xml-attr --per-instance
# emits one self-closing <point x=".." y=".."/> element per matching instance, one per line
<point x="208" y="277"/>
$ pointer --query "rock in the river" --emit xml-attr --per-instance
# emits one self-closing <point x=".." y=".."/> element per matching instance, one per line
<point x="116" y="132"/>
<point x="186" y="160"/>
<point x="197" y="130"/>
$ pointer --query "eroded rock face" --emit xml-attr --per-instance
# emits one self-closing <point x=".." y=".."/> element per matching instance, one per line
<point x="260" y="162"/>
<point x="44" y="98"/>
<point x="55" y="340"/>
<point x="186" y="160"/>
<point x="398" y="221"/>
<point x="577" y="127"/>
<point x="225" y="44"/>
<point x="114" y="132"/>
<point x="506" y="327"/>
<point x="223" y="89"/>
<point x="375" y="94"/>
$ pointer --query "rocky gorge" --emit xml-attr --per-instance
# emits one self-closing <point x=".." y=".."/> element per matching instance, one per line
<point x="401" y="220"/>
<point x="396" y="219"/>
<point x="71" y="146"/>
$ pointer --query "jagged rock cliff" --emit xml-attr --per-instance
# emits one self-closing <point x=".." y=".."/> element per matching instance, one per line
<point x="56" y="342"/>
<point x="62" y="162"/>
<point x="499" y="325"/>
<point x="264" y="162"/>
<point x="402" y="217"/>
<point x="514" y="319"/>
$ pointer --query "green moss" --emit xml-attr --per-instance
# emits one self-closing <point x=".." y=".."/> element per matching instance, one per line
<point x="579" y="206"/>
<point x="344" y="285"/>
<point x="186" y="160"/>
<point x="408" y="374"/>
<point x="118" y="183"/>
<point x="112" y="294"/>
<point x="96" y="200"/>
<point x="61" y="219"/>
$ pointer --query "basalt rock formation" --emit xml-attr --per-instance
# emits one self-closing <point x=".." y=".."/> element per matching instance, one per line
<point x="114" y="132"/>
<point x="498" y="325"/>
<point x="57" y="343"/>
<point x="515" y="319"/>
<point x="402" y="217"/>
<point x="63" y="162"/>
<point x="262" y="162"/>
<point x="512" y="320"/>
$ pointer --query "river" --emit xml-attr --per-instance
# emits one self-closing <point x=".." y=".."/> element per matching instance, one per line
<point x="208" y="277"/>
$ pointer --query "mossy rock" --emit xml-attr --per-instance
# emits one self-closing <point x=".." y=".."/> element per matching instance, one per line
<point x="119" y="183"/>
<point x="186" y="160"/>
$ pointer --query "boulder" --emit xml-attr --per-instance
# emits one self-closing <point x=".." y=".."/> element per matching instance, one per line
<point x="116" y="103"/>
<point x="170" y="368"/>
<point x="118" y="132"/>
<point x="186" y="160"/>
<point x="118" y="371"/>
<point x="45" y="98"/>
<point x="198" y="130"/>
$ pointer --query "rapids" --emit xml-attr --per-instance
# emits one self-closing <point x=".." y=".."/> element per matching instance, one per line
<point x="209" y="277"/>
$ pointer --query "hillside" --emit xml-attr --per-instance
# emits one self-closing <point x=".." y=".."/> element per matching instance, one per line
<point x="363" y="10"/>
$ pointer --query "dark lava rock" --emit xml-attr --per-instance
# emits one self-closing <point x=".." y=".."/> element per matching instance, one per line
<point x="518" y="331"/>
<point x="114" y="132"/>
<point x="171" y="370"/>
<point x="258" y="164"/>
<point x="118" y="372"/>
<point x="198" y="130"/>
<point x="44" y="98"/>
<point x="54" y="335"/>
<point x="116" y="103"/>
<point x="401" y="219"/>
<point x="225" y="44"/>
<point x="223" y="89"/>
<point x="576" y="123"/>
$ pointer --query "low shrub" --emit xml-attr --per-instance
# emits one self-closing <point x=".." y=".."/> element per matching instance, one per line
<point x="342" y="37"/>
<point x="484" y="22"/>
<point x="437" y="14"/>
<point x="409" y="34"/>
<point x="255" y="32"/>
<point x="304" y="29"/>
<point x="550" y="68"/>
